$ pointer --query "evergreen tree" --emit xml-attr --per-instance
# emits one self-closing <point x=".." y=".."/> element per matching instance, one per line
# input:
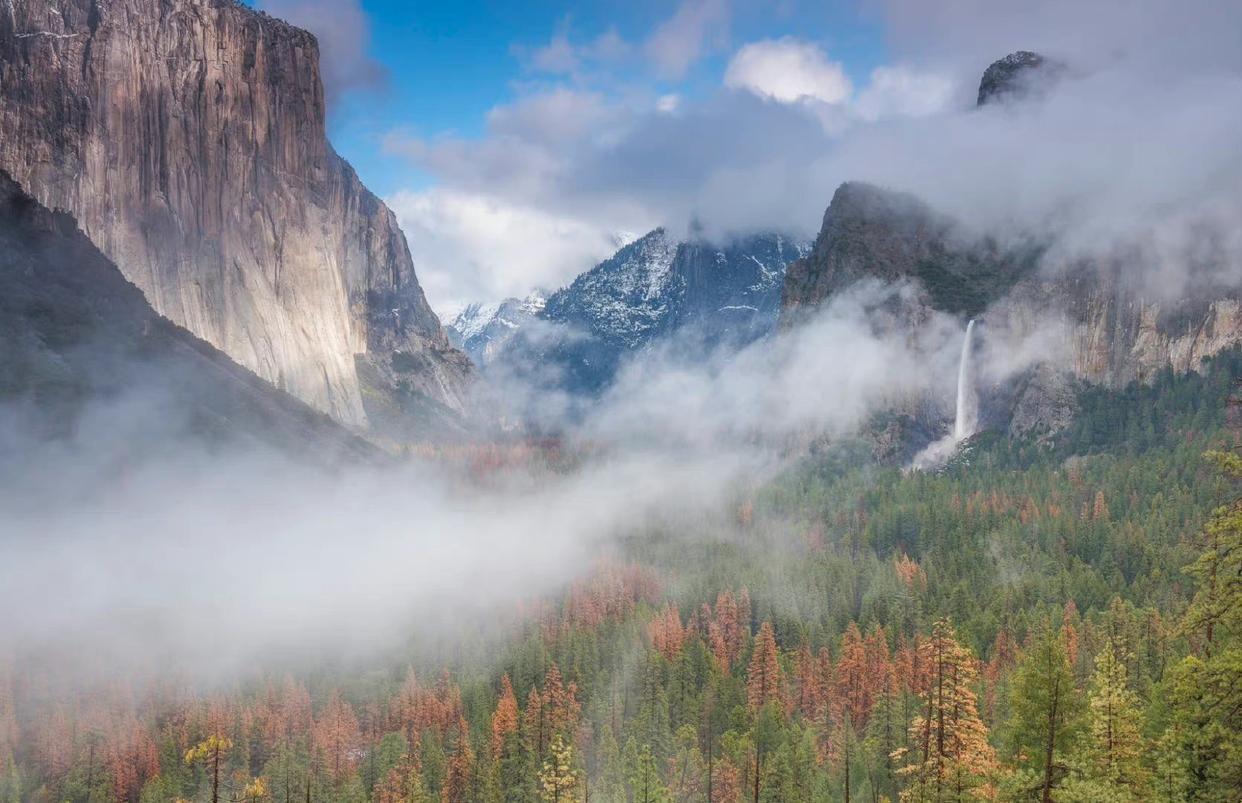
<point x="645" y="781"/>
<point x="558" y="780"/>
<point x="951" y="759"/>
<point x="1116" y="744"/>
<point x="1047" y="711"/>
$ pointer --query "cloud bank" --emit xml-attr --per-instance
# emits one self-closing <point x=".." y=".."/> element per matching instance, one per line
<point x="1136" y="142"/>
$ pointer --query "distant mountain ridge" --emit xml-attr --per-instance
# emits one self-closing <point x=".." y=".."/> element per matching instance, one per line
<point x="482" y="330"/>
<point x="653" y="289"/>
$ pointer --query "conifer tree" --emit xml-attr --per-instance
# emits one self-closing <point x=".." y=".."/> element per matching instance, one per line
<point x="1205" y="696"/>
<point x="505" y="717"/>
<point x="1117" y="744"/>
<point x="558" y="780"/>
<point x="1047" y="712"/>
<point x="645" y="782"/>
<point x="951" y="758"/>
<point x="764" y="679"/>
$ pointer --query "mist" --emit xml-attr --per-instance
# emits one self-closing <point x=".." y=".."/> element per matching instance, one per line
<point x="218" y="563"/>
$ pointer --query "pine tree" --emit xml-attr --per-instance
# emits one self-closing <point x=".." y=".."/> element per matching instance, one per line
<point x="505" y="718"/>
<point x="1205" y="733"/>
<point x="337" y="737"/>
<point x="1047" y="711"/>
<point x="460" y="767"/>
<point x="951" y="758"/>
<point x="611" y="787"/>
<point x="210" y="753"/>
<point x="558" y="780"/>
<point x="645" y="781"/>
<point x="764" y="679"/>
<point x="1117" y="745"/>
<point x="1215" y="613"/>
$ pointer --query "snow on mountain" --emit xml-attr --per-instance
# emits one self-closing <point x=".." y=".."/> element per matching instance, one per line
<point x="482" y="330"/>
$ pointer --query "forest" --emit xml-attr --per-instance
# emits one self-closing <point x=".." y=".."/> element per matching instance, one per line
<point x="1051" y="619"/>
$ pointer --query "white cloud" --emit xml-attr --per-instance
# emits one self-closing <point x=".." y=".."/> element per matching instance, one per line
<point x="903" y="92"/>
<point x="697" y="27"/>
<point x="472" y="247"/>
<point x="668" y="103"/>
<point x="788" y="70"/>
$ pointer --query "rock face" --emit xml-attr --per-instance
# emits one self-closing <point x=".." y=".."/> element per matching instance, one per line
<point x="187" y="137"/>
<point x="652" y="289"/>
<point x="1086" y="321"/>
<point x="869" y="232"/>
<point x="1018" y="75"/>
<point x="1111" y="334"/>
<point x="75" y="335"/>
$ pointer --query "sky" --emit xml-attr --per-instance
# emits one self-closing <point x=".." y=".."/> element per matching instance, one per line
<point x="521" y="143"/>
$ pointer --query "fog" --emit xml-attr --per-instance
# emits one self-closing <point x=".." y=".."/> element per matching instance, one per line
<point x="218" y="562"/>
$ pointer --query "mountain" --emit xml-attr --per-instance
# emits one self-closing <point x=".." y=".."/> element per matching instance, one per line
<point x="482" y="330"/>
<point x="187" y="137"/>
<point x="1098" y="325"/>
<point x="869" y="232"/>
<point x="651" y="290"/>
<point x="76" y="335"/>
<point x="1019" y="75"/>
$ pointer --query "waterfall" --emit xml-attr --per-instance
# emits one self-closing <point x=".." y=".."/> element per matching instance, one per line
<point x="967" y="417"/>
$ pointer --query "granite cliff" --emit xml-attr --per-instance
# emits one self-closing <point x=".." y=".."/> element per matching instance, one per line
<point x="1094" y="320"/>
<point x="77" y="338"/>
<point x="187" y="137"/>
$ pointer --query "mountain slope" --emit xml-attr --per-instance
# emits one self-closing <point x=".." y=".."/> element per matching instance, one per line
<point x="652" y="290"/>
<point x="1093" y="320"/>
<point x="482" y="330"/>
<point x="187" y="137"/>
<point x="75" y="334"/>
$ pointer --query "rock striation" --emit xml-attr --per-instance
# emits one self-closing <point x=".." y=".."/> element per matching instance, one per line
<point x="77" y="338"/>
<point x="188" y="139"/>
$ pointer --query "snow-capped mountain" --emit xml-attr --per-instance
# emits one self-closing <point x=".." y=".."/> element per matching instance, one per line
<point x="482" y="330"/>
<point x="650" y="290"/>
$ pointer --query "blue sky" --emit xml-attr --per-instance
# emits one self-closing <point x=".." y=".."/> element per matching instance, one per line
<point x="519" y="143"/>
<point x="446" y="65"/>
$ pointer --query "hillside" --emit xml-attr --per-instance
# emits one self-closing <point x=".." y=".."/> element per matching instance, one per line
<point x="76" y="337"/>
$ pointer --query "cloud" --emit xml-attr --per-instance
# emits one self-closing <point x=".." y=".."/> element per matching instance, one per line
<point x="562" y="56"/>
<point x="788" y="70"/>
<point x="901" y="91"/>
<point x="344" y="33"/>
<point x="1134" y="146"/>
<point x="696" y="28"/>
<point x="469" y="247"/>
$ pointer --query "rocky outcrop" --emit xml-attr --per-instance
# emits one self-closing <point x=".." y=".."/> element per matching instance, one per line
<point x="1019" y="75"/>
<point x="76" y="337"/>
<point x="1104" y="331"/>
<point x="1049" y="327"/>
<point x="873" y="233"/>
<point x="187" y="137"/>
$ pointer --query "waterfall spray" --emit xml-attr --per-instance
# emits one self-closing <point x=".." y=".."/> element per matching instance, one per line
<point x="967" y="416"/>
